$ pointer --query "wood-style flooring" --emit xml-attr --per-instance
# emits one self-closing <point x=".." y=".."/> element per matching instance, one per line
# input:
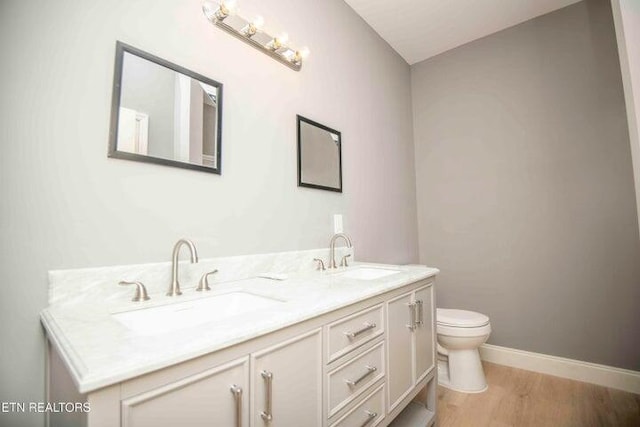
<point x="521" y="398"/>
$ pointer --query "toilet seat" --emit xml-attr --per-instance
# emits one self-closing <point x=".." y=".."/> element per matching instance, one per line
<point x="460" y="318"/>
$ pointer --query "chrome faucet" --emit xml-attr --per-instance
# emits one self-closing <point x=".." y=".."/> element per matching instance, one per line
<point x="332" y="248"/>
<point x="175" y="286"/>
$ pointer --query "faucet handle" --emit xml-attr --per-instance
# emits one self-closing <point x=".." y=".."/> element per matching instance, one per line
<point x="203" y="284"/>
<point x="343" y="261"/>
<point x="320" y="265"/>
<point x="141" y="291"/>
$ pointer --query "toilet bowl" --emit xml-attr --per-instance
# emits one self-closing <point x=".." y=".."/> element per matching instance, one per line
<point x="460" y="333"/>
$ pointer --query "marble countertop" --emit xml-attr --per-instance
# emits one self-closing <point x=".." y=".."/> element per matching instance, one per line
<point x="99" y="351"/>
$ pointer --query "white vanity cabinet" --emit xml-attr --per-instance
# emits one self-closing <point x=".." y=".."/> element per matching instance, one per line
<point x="286" y="383"/>
<point x="217" y="396"/>
<point x="424" y="333"/>
<point x="279" y="386"/>
<point x="410" y="341"/>
<point x="358" y="365"/>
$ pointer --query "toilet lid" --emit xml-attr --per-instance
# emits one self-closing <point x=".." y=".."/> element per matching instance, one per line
<point x="460" y="318"/>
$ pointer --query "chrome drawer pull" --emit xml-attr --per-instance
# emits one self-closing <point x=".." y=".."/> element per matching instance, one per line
<point x="420" y="312"/>
<point x="268" y="381"/>
<point x="412" y="315"/>
<point x="371" y="415"/>
<point x="370" y="370"/>
<point x="367" y="326"/>
<point x="237" y="395"/>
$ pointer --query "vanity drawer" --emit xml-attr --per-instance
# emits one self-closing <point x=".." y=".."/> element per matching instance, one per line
<point x="369" y="413"/>
<point x="351" y="379"/>
<point x="351" y="332"/>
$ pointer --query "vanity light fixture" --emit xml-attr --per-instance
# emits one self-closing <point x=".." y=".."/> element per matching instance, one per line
<point x="223" y="15"/>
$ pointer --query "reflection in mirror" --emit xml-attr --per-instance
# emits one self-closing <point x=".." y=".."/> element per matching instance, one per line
<point x="319" y="156"/>
<point x="163" y="113"/>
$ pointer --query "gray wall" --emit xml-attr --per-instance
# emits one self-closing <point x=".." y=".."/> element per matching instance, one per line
<point x="64" y="204"/>
<point x="525" y="188"/>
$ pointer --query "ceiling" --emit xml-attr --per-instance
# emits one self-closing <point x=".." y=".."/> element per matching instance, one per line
<point x="420" y="29"/>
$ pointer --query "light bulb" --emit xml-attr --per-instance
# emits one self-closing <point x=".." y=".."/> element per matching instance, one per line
<point x="226" y="8"/>
<point x="278" y="42"/>
<point x="209" y="9"/>
<point x="258" y="22"/>
<point x="300" y="55"/>
<point x="252" y="28"/>
<point x="230" y="5"/>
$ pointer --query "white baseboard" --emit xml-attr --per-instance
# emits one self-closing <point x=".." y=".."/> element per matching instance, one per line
<point x="607" y="376"/>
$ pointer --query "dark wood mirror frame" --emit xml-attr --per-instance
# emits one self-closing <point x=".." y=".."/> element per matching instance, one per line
<point x="338" y="188"/>
<point x="121" y="49"/>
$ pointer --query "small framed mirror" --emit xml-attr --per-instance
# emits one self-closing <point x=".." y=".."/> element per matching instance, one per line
<point x="319" y="156"/>
<point x="163" y="113"/>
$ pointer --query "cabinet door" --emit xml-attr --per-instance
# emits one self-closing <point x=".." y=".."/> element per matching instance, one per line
<point x="217" y="397"/>
<point x="424" y="351"/>
<point x="400" y="317"/>
<point x="286" y="383"/>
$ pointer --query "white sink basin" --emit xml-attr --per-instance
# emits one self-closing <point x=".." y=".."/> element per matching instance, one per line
<point x="173" y="317"/>
<point x="367" y="273"/>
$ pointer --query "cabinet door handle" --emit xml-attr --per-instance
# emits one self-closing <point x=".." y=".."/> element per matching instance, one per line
<point x="420" y="308"/>
<point x="268" y="381"/>
<point x="237" y="395"/>
<point x="412" y="315"/>
<point x="367" y="326"/>
<point x="370" y="370"/>
<point x="370" y="417"/>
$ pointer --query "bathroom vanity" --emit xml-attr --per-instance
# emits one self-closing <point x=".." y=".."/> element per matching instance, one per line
<point x="351" y="346"/>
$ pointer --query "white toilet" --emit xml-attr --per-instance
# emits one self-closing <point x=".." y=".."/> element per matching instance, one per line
<point x="460" y="333"/>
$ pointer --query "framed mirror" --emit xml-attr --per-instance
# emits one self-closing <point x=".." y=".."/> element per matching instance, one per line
<point x="319" y="156"/>
<point x="163" y="113"/>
